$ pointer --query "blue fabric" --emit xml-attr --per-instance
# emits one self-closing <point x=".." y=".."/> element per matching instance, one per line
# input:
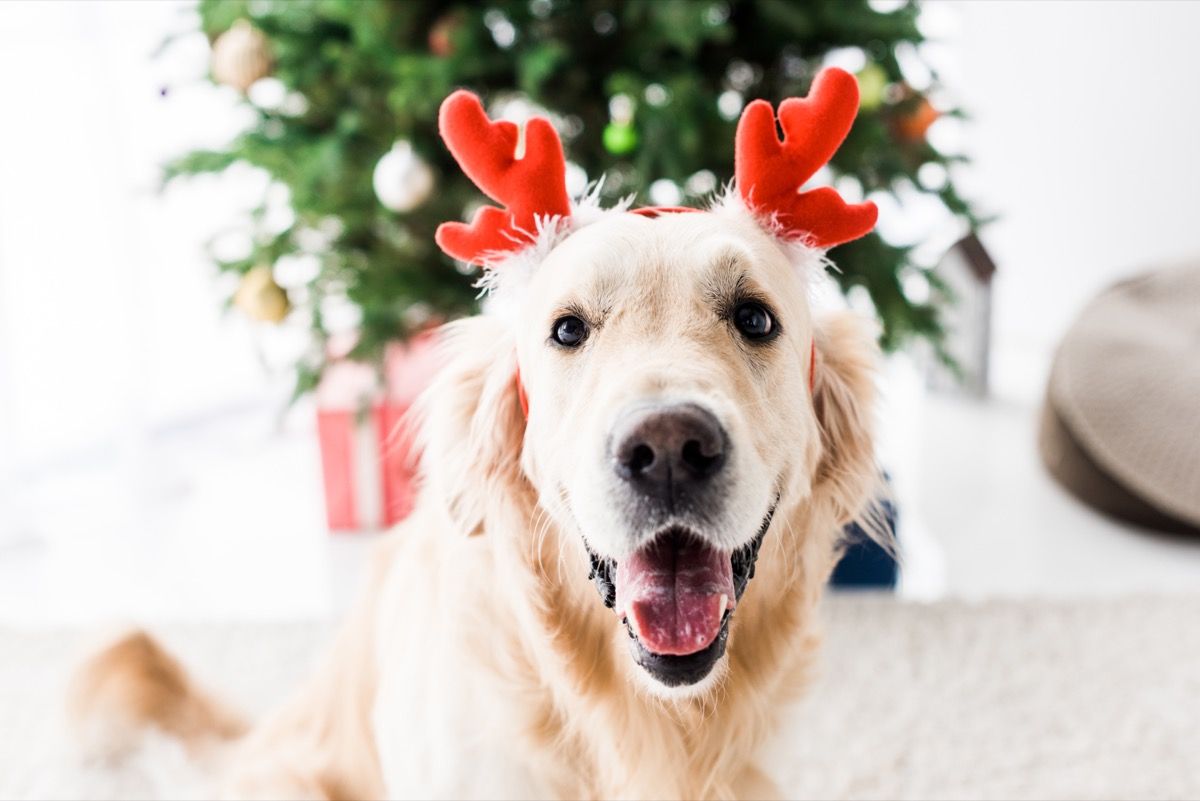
<point x="865" y="564"/>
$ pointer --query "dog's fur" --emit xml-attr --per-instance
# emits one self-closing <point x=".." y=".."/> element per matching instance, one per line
<point x="480" y="661"/>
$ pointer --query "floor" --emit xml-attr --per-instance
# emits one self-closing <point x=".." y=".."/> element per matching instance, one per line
<point x="223" y="521"/>
<point x="952" y="700"/>
<point x="1003" y="528"/>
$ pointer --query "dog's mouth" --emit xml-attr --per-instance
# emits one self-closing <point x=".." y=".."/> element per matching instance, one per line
<point x="676" y="596"/>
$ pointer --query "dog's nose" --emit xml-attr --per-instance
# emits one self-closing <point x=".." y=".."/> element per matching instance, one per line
<point x="665" y="450"/>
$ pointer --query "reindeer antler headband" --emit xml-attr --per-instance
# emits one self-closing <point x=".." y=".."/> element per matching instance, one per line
<point x="769" y="172"/>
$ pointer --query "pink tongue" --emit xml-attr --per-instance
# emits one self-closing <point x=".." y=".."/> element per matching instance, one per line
<point x="671" y="593"/>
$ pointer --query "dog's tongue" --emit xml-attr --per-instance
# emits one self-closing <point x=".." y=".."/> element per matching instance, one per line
<point x="674" y="593"/>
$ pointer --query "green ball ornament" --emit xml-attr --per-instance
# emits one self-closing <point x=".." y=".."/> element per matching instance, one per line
<point x="872" y="86"/>
<point x="620" y="138"/>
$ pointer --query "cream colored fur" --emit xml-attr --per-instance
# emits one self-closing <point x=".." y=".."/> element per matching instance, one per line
<point x="480" y="661"/>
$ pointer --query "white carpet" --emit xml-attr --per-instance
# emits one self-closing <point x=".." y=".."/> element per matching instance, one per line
<point x="1032" y="699"/>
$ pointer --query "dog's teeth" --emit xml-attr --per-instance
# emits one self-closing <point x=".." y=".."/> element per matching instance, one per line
<point x="723" y="606"/>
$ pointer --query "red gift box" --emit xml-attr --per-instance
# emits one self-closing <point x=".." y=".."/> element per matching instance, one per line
<point x="368" y="454"/>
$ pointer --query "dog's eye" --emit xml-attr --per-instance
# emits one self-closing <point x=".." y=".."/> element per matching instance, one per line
<point x="754" y="321"/>
<point x="569" y="331"/>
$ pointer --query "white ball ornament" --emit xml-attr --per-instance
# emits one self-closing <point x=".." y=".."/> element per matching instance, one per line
<point x="241" y="56"/>
<point x="402" y="179"/>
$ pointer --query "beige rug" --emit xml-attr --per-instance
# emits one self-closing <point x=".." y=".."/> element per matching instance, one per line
<point x="1030" y="699"/>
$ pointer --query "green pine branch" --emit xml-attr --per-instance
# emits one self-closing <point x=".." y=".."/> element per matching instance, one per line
<point x="372" y="72"/>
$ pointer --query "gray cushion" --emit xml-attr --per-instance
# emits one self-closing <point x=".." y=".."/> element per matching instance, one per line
<point x="1124" y="396"/>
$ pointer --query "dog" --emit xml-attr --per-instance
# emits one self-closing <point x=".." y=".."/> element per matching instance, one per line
<point x="636" y="470"/>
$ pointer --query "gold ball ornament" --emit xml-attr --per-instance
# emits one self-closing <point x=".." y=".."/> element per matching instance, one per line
<point x="259" y="297"/>
<point x="241" y="56"/>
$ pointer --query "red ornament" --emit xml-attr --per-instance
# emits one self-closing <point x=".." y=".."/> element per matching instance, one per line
<point x="912" y="124"/>
<point x="441" y="35"/>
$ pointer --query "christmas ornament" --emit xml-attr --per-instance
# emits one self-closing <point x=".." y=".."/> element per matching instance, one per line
<point x="260" y="298"/>
<point x="730" y="104"/>
<point x="665" y="192"/>
<point x="402" y="179"/>
<point x="241" y="56"/>
<point x="621" y="108"/>
<point x="913" y="123"/>
<point x="872" y="86"/>
<point x="620" y="138"/>
<point x="441" y="35"/>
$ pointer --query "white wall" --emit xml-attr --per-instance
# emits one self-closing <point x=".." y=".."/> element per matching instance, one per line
<point x="110" y="314"/>
<point x="1086" y="141"/>
<point x="114" y="348"/>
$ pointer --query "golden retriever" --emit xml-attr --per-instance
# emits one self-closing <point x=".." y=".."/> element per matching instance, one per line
<point x="635" y="479"/>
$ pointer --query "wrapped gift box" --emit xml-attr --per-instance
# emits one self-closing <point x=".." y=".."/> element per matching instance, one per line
<point x="368" y="453"/>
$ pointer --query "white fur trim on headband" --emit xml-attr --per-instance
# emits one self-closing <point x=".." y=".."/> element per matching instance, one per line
<point x="505" y="277"/>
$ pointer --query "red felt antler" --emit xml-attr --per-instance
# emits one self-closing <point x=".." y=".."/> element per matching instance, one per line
<point x="770" y="173"/>
<point x="529" y="187"/>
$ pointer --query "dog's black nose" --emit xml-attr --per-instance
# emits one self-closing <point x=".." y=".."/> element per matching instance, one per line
<point x="664" y="451"/>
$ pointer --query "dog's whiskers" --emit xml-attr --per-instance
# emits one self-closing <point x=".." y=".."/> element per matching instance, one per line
<point x="541" y="525"/>
<point x="543" y="521"/>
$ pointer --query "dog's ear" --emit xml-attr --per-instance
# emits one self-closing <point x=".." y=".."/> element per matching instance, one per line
<point x="471" y="423"/>
<point x="844" y="399"/>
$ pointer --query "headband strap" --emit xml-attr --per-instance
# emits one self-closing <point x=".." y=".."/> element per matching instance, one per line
<point x="812" y="364"/>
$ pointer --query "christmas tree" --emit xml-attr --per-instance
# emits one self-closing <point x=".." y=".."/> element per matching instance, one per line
<point x="643" y="92"/>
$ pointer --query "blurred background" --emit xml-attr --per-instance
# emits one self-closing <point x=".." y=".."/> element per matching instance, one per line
<point x="217" y="273"/>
